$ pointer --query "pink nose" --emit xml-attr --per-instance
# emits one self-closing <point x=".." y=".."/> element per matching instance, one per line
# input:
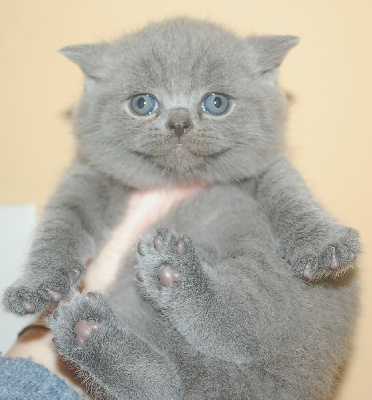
<point x="179" y="127"/>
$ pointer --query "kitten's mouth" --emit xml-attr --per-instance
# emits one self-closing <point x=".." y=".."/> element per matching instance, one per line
<point x="180" y="149"/>
<point x="182" y="152"/>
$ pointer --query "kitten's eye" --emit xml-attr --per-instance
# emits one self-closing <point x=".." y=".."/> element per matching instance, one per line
<point x="215" y="104"/>
<point x="143" y="104"/>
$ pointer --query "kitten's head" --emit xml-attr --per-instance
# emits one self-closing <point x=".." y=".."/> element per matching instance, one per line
<point x="181" y="101"/>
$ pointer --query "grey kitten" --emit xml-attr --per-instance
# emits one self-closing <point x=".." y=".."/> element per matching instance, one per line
<point x="241" y="290"/>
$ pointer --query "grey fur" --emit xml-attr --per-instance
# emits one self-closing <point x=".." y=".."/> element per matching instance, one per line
<point x="265" y="308"/>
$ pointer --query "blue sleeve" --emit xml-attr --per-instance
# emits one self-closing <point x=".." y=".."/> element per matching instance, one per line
<point x="22" y="379"/>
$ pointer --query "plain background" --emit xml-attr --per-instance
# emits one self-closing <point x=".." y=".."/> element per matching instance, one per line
<point x="328" y="76"/>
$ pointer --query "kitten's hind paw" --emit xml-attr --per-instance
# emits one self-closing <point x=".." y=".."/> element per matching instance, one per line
<point x="76" y="324"/>
<point x="167" y="264"/>
<point x="88" y="334"/>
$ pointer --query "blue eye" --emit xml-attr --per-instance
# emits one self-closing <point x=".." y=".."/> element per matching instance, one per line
<point x="215" y="104"/>
<point x="143" y="104"/>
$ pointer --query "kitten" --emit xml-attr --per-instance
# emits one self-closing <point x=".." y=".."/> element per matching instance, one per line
<point x="240" y="291"/>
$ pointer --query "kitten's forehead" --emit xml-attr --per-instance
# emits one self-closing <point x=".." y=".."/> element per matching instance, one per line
<point x="181" y="55"/>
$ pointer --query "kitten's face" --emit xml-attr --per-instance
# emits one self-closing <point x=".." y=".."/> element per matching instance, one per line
<point x="182" y="102"/>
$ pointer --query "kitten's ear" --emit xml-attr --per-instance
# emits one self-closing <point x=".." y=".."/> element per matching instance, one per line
<point x="269" y="51"/>
<point x="91" y="58"/>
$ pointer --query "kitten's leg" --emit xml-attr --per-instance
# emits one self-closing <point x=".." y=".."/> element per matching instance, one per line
<point x="74" y="222"/>
<point x="192" y="295"/>
<point x="87" y="333"/>
<point x="229" y="310"/>
<point x="311" y="242"/>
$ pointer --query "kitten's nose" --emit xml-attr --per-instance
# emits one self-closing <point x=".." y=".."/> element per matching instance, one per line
<point x="179" y="122"/>
<point x="179" y="127"/>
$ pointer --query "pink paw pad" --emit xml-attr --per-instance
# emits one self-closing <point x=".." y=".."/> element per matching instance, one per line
<point x="334" y="261"/>
<point x="56" y="296"/>
<point x="84" y="330"/>
<point x="92" y="296"/>
<point x="140" y="249"/>
<point x="158" y="243"/>
<point x="181" y="248"/>
<point x="30" y="308"/>
<point x="167" y="276"/>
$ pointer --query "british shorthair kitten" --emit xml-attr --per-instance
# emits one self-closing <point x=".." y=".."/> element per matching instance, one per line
<point x="243" y="288"/>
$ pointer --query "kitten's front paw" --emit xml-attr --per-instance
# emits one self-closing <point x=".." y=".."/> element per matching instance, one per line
<point x="167" y="264"/>
<point x="322" y="253"/>
<point x="31" y="297"/>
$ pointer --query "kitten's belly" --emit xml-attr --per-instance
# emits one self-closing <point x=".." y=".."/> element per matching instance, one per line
<point x="145" y="208"/>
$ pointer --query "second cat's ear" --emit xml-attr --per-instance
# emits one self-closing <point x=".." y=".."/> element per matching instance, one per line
<point x="268" y="52"/>
<point x="91" y="58"/>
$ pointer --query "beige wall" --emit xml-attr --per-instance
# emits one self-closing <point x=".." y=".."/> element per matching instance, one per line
<point x="329" y="75"/>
